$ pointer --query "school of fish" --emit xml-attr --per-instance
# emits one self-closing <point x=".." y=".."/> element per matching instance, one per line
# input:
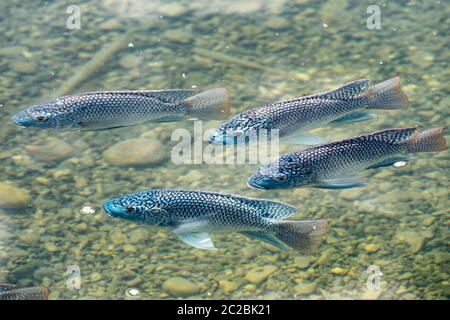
<point x="193" y="215"/>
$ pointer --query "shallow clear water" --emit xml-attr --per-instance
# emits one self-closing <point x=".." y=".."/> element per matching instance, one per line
<point x="263" y="51"/>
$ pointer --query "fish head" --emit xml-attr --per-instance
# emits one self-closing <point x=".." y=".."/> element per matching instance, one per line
<point x="140" y="208"/>
<point x="52" y="114"/>
<point x="239" y="130"/>
<point x="285" y="173"/>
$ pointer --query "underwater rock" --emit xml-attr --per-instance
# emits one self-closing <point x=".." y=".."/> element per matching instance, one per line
<point x="23" y="67"/>
<point x="371" y="247"/>
<point x="51" y="150"/>
<point x="277" y="23"/>
<point x="172" y="10"/>
<point x="12" y="197"/>
<point x="371" y="294"/>
<point x="182" y="287"/>
<point x="228" y="286"/>
<point x="305" y="288"/>
<point x="130" y="61"/>
<point x="414" y="239"/>
<point x="135" y="152"/>
<point x="302" y="262"/>
<point x="138" y="235"/>
<point x="177" y="36"/>
<point x="260" y="274"/>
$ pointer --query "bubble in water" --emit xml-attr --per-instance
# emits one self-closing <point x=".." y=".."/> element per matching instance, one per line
<point x="399" y="164"/>
<point x="89" y="209"/>
<point x="133" y="292"/>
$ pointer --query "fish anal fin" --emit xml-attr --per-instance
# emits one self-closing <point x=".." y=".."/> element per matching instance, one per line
<point x="199" y="240"/>
<point x="266" y="237"/>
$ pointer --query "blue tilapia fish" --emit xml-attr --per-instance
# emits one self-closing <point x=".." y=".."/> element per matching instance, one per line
<point x="294" y="118"/>
<point x="337" y="165"/>
<point x="31" y="293"/>
<point x="192" y="215"/>
<point x="111" y="109"/>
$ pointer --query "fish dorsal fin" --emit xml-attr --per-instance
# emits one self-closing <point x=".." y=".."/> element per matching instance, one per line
<point x="171" y="95"/>
<point x="349" y="90"/>
<point x="272" y="209"/>
<point x="394" y="136"/>
<point x="199" y="240"/>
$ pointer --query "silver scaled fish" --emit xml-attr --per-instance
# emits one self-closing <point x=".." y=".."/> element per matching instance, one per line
<point x="111" y="109"/>
<point x="294" y="118"/>
<point x="31" y="293"/>
<point x="337" y="165"/>
<point x="192" y="215"/>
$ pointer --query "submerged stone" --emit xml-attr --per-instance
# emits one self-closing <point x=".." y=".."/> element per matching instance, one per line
<point x="12" y="197"/>
<point x="178" y="286"/>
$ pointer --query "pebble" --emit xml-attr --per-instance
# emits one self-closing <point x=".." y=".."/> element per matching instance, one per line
<point x="277" y="23"/>
<point x="371" y="294"/>
<point x="130" y="61"/>
<point x="138" y="235"/>
<point x="305" y="288"/>
<point x="228" y="286"/>
<point x="96" y="277"/>
<point x="177" y="36"/>
<point x="12" y="197"/>
<point x="118" y="237"/>
<point x="52" y="149"/>
<point x="23" y="67"/>
<point x="172" y="10"/>
<point x="260" y="274"/>
<point x="351" y="194"/>
<point x="337" y="271"/>
<point x="302" y="262"/>
<point x="414" y="239"/>
<point x="428" y="221"/>
<point x="180" y="287"/>
<point x="371" y="247"/>
<point x="135" y="152"/>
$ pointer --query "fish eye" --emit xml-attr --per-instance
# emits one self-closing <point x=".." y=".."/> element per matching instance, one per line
<point x="40" y="118"/>
<point x="130" y="209"/>
<point x="281" y="178"/>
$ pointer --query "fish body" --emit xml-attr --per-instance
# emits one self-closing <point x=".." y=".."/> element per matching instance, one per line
<point x="192" y="215"/>
<point x="32" y="293"/>
<point x="295" y="117"/>
<point x="110" y="109"/>
<point x="336" y="165"/>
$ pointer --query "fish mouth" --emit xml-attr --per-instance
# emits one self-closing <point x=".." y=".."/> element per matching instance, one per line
<point x="110" y="210"/>
<point x="16" y="121"/>
<point x="254" y="185"/>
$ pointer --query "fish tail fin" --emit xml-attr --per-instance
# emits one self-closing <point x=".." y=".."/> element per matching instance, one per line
<point x="387" y="95"/>
<point x="301" y="235"/>
<point x="427" y="141"/>
<point x="212" y="104"/>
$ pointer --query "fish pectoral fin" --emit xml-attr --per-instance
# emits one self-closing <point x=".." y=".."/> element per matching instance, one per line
<point x="302" y="139"/>
<point x="353" y="117"/>
<point x="199" y="240"/>
<point x="390" y="162"/>
<point x="340" y="183"/>
<point x="266" y="237"/>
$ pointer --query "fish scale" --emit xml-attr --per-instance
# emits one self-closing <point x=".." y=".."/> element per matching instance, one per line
<point x="334" y="165"/>
<point x="110" y="109"/>
<point x="191" y="215"/>
<point x="303" y="114"/>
